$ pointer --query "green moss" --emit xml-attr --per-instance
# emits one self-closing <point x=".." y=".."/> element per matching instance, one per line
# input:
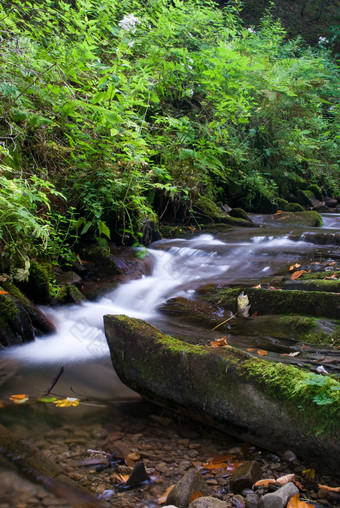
<point x="319" y="275"/>
<point x="300" y="391"/>
<point x="310" y="218"/>
<point x="8" y="309"/>
<point x="316" y="191"/>
<point x="207" y="206"/>
<point x="285" y="205"/>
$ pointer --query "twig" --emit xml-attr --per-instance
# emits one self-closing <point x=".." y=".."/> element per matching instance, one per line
<point x="226" y="321"/>
<point x="55" y="380"/>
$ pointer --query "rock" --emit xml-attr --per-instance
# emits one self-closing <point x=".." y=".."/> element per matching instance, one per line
<point x="331" y="202"/>
<point x="101" y="256"/>
<point x="208" y="212"/>
<point x="245" y="476"/>
<point x="289" y="456"/>
<point x="280" y="498"/>
<point x="238" y="501"/>
<point x="240" y="213"/>
<point x="252" y="500"/>
<point x="192" y="484"/>
<point x="68" y="278"/>
<point x="194" y="311"/>
<point x="245" y="396"/>
<point x="208" y="502"/>
<point x="312" y="218"/>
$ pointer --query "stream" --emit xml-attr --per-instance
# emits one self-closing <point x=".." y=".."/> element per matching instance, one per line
<point x="179" y="268"/>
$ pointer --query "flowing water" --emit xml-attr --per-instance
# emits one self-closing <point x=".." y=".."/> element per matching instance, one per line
<point x="179" y="268"/>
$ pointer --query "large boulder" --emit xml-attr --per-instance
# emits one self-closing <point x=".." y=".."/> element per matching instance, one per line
<point x="272" y="405"/>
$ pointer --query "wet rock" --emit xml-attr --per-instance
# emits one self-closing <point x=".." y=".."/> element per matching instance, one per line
<point x="68" y="278"/>
<point x="280" y="498"/>
<point x="240" y="213"/>
<point x="247" y="397"/>
<point x="238" y="501"/>
<point x="194" y="311"/>
<point x="245" y="476"/>
<point x="252" y="500"/>
<point x="101" y="256"/>
<point x="208" y="502"/>
<point x="192" y="484"/>
<point x="311" y="218"/>
<point x="313" y="285"/>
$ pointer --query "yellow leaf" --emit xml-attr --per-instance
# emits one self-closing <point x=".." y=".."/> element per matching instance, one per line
<point x="69" y="401"/>
<point x="292" y="267"/>
<point x="164" y="497"/>
<point x="309" y="474"/>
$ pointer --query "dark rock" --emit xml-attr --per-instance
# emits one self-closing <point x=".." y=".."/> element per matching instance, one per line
<point x="101" y="256"/>
<point x="208" y="502"/>
<point x="252" y="500"/>
<point x="68" y="278"/>
<point x="301" y="198"/>
<point x="331" y="202"/>
<point x="238" y="501"/>
<point x="289" y="456"/>
<point x="194" y="311"/>
<point x="150" y="233"/>
<point x="37" y="287"/>
<point x="280" y="498"/>
<point x="226" y="388"/>
<point x="240" y="213"/>
<point x="245" y="476"/>
<point x="313" y="285"/>
<point x="192" y="484"/>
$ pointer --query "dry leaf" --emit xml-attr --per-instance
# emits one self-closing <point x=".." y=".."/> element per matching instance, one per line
<point x="68" y="402"/>
<point x="164" y="497"/>
<point x="243" y="305"/>
<point x="296" y="353"/>
<point x="304" y="346"/>
<point x="251" y="349"/>
<point x="295" y="502"/>
<point x="309" y="474"/>
<point x="283" y="480"/>
<point x="297" y="274"/>
<point x="225" y="462"/>
<point x="292" y="267"/>
<point x="262" y="352"/>
<point x="19" y="399"/>
<point x="195" y="495"/>
<point x="3" y="292"/>
<point x="329" y="489"/>
<point x="264" y="483"/>
<point x="256" y="287"/>
<point x="219" y="342"/>
<point x="331" y="277"/>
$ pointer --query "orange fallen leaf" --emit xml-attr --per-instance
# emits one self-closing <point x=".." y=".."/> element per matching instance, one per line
<point x="295" y="502"/>
<point x="292" y="267"/>
<point x="219" y="342"/>
<point x="329" y="489"/>
<point x="304" y="346"/>
<point x="3" y="292"/>
<point x="195" y="495"/>
<point x="296" y="353"/>
<point x="331" y="277"/>
<point x="332" y="263"/>
<point x="262" y="352"/>
<point x="264" y="483"/>
<point x="225" y="462"/>
<point x="257" y="287"/>
<point x="297" y="274"/>
<point x="19" y="399"/>
<point x="283" y="480"/>
<point x="251" y="349"/>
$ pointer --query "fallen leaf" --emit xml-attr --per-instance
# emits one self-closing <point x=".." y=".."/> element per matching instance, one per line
<point x="304" y="346"/>
<point x="331" y="277"/>
<point x="329" y="489"/>
<point x="262" y="352"/>
<point x="47" y="399"/>
<point x="68" y="402"/>
<point x="283" y="480"/>
<point x="219" y="342"/>
<point x="253" y="316"/>
<point x="243" y="305"/>
<point x="19" y="399"/>
<point x="195" y="495"/>
<point x="332" y="263"/>
<point x="226" y="462"/>
<point x="309" y="474"/>
<point x="251" y="349"/>
<point x="295" y="502"/>
<point x="292" y="267"/>
<point x="296" y="353"/>
<point x="257" y="287"/>
<point x="164" y="497"/>
<point x="264" y="483"/>
<point x="3" y="292"/>
<point x="2" y="404"/>
<point x="297" y="274"/>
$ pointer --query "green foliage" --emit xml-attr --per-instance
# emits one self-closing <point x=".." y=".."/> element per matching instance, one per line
<point x="115" y="103"/>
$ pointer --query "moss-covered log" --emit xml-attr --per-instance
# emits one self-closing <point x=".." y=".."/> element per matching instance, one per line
<point x="269" y="404"/>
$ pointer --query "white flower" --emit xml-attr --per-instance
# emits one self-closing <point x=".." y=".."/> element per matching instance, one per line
<point x="131" y="43"/>
<point x="251" y="30"/>
<point x="323" y="40"/>
<point x="129" y="22"/>
<point x="190" y="67"/>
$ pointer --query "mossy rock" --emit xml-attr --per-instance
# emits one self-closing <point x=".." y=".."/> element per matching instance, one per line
<point x="193" y="311"/>
<point x="313" y="285"/>
<point x="104" y="261"/>
<point x="307" y="218"/>
<point x="316" y="191"/>
<point x="69" y="294"/>
<point x="209" y="212"/>
<point x="270" y="301"/>
<point x="286" y="206"/>
<point x="15" y="323"/>
<point x="240" y="213"/>
<point x="37" y="287"/>
<point x="271" y="405"/>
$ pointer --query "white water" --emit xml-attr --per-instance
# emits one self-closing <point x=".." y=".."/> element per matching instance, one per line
<point x="177" y="271"/>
